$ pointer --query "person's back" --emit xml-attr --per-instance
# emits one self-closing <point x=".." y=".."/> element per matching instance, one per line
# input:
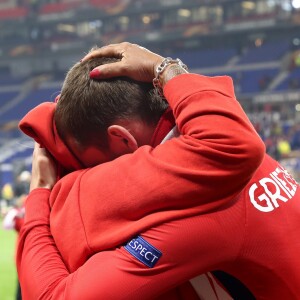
<point x="267" y="261"/>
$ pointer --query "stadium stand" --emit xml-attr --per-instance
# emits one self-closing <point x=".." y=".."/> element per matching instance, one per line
<point x="292" y="81"/>
<point x="207" y="58"/>
<point x="269" y="51"/>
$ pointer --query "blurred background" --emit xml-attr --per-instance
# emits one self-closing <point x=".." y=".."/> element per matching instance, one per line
<point x="256" y="42"/>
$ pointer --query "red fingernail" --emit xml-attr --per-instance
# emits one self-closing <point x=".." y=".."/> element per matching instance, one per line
<point x="95" y="73"/>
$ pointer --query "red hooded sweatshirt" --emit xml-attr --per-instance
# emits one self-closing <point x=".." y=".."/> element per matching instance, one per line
<point x="202" y="176"/>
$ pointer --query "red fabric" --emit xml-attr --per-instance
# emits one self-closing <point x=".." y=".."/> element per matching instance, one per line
<point x="164" y="126"/>
<point x="197" y="176"/>
<point x="39" y="125"/>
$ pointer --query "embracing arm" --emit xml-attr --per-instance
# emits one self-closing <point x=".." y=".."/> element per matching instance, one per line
<point x="117" y="274"/>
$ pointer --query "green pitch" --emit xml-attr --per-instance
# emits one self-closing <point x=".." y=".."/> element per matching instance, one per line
<point x="8" y="277"/>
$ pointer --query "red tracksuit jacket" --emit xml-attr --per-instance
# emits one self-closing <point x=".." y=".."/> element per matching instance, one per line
<point x="233" y="221"/>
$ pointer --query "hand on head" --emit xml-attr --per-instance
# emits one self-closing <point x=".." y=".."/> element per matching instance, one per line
<point x="136" y="62"/>
<point x="44" y="173"/>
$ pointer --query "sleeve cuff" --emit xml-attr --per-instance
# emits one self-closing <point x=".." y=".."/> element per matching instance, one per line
<point x="184" y="85"/>
<point x="37" y="205"/>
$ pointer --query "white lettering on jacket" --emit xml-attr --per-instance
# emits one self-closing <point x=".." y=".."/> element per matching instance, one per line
<point x="270" y="192"/>
<point x="135" y="245"/>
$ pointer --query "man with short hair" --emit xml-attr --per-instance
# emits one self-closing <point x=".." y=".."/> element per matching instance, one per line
<point x="188" y="196"/>
<point x="123" y="110"/>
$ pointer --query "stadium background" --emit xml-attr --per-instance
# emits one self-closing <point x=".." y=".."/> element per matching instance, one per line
<point x="257" y="42"/>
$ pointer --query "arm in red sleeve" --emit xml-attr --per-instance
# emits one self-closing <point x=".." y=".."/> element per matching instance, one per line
<point x="214" y="125"/>
<point x="36" y="247"/>
<point x="116" y="274"/>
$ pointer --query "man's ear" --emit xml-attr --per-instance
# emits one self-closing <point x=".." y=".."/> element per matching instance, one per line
<point x="120" y="140"/>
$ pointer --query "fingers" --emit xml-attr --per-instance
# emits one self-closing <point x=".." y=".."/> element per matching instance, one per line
<point x="40" y="158"/>
<point x="135" y="62"/>
<point x="116" y="69"/>
<point x="112" y="50"/>
<point x="43" y="169"/>
<point x="39" y="150"/>
<point x="108" y="70"/>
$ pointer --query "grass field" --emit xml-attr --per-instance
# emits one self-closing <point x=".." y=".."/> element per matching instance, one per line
<point x="8" y="277"/>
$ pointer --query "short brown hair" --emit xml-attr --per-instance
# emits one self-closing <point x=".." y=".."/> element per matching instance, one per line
<point x="87" y="107"/>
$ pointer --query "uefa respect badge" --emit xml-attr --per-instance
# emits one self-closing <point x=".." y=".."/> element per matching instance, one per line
<point x="143" y="251"/>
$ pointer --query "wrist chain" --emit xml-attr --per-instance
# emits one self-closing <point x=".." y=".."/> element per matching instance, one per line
<point x="161" y="68"/>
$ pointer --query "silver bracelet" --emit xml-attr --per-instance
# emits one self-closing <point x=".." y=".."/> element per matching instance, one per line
<point x="161" y="68"/>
